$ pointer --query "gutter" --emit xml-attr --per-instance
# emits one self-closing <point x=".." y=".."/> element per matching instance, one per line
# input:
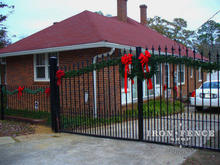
<point x="94" y="78"/>
<point x="67" y="48"/>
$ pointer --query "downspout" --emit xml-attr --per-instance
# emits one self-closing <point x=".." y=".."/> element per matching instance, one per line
<point x="94" y="78"/>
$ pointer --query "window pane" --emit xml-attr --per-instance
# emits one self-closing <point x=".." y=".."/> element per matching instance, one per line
<point x="200" y="74"/>
<point x="158" y="76"/>
<point x="40" y="72"/>
<point x="214" y="85"/>
<point x="182" y="68"/>
<point x="40" y="59"/>
<point x="49" y="72"/>
<point x="146" y="92"/>
<point x="182" y="77"/>
<point x="178" y="77"/>
<point x="166" y="75"/>
<point x="122" y="83"/>
<point x="135" y="88"/>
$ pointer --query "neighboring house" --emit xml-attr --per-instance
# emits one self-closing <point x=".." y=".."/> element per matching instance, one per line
<point x="215" y="75"/>
<point x="83" y="37"/>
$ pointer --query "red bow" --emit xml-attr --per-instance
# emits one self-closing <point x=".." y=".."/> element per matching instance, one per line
<point x="20" y="89"/>
<point x="126" y="60"/>
<point x="144" y="61"/>
<point x="59" y="75"/>
<point x="176" y="90"/>
<point x="164" y="87"/>
<point x="47" y="91"/>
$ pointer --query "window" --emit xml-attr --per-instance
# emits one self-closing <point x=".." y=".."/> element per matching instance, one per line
<point x="123" y="83"/>
<point x="181" y="74"/>
<point x="134" y="90"/>
<point x="147" y="92"/>
<point x="167" y="75"/>
<point x="212" y="85"/>
<point x="200" y="74"/>
<point x="41" y="66"/>
<point x="158" y="75"/>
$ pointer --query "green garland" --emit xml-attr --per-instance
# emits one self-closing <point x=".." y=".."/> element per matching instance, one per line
<point x="92" y="67"/>
<point x="26" y="90"/>
<point x="154" y="62"/>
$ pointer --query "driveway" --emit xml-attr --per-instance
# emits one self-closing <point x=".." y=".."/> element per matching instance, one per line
<point x="69" y="149"/>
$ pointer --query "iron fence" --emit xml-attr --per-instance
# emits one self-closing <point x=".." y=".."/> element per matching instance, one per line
<point x="31" y="99"/>
<point x="182" y="108"/>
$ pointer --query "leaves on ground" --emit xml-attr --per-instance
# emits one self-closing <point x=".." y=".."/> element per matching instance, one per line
<point x="14" y="128"/>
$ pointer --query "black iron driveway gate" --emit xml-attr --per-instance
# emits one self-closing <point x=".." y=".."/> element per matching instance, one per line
<point x="93" y="102"/>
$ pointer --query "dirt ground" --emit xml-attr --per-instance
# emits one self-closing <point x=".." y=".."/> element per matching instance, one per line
<point x="41" y="129"/>
<point x="15" y="128"/>
<point x="203" y="157"/>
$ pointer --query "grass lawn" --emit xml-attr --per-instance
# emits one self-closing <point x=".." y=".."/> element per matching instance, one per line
<point x="29" y="114"/>
<point x="150" y="109"/>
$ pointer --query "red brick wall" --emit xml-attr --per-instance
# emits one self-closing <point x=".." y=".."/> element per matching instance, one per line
<point x="20" y="70"/>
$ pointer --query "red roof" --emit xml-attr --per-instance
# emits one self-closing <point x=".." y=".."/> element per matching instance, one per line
<point x="89" y="27"/>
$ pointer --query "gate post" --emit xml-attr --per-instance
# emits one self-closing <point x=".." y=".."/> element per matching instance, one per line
<point x="2" y="104"/>
<point x="54" y="95"/>
<point x="140" y="98"/>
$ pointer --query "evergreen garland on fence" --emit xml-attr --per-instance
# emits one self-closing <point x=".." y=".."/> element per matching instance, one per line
<point x="26" y="90"/>
<point x="154" y="62"/>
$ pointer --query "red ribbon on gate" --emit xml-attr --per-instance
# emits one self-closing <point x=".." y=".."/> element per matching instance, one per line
<point x="144" y="62"/>
<point x="165" y="87"/>
<point x="176" y="90"/>
<point x="126" y="60"/>
<point x="20" y="89"/>
<point x="59" y="75"/>
<point x="47" y="92"/>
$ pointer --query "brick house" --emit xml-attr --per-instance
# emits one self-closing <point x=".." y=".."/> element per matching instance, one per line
<point x="84" y="37"/>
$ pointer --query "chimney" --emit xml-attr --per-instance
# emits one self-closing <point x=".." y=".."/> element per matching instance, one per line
<point x="143" y="16"/>
<point x="122" y="10"/>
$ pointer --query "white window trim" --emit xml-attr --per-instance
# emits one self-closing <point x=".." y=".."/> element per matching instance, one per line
<point x="200" y="73"/>
<point x="46" y="68"/>
<point x="183" y="83"/>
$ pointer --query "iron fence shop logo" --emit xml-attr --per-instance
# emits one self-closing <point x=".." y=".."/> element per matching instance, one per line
<point x="180" y="135"/>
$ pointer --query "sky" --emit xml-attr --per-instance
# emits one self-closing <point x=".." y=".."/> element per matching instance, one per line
<point x="31" y="16"/>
